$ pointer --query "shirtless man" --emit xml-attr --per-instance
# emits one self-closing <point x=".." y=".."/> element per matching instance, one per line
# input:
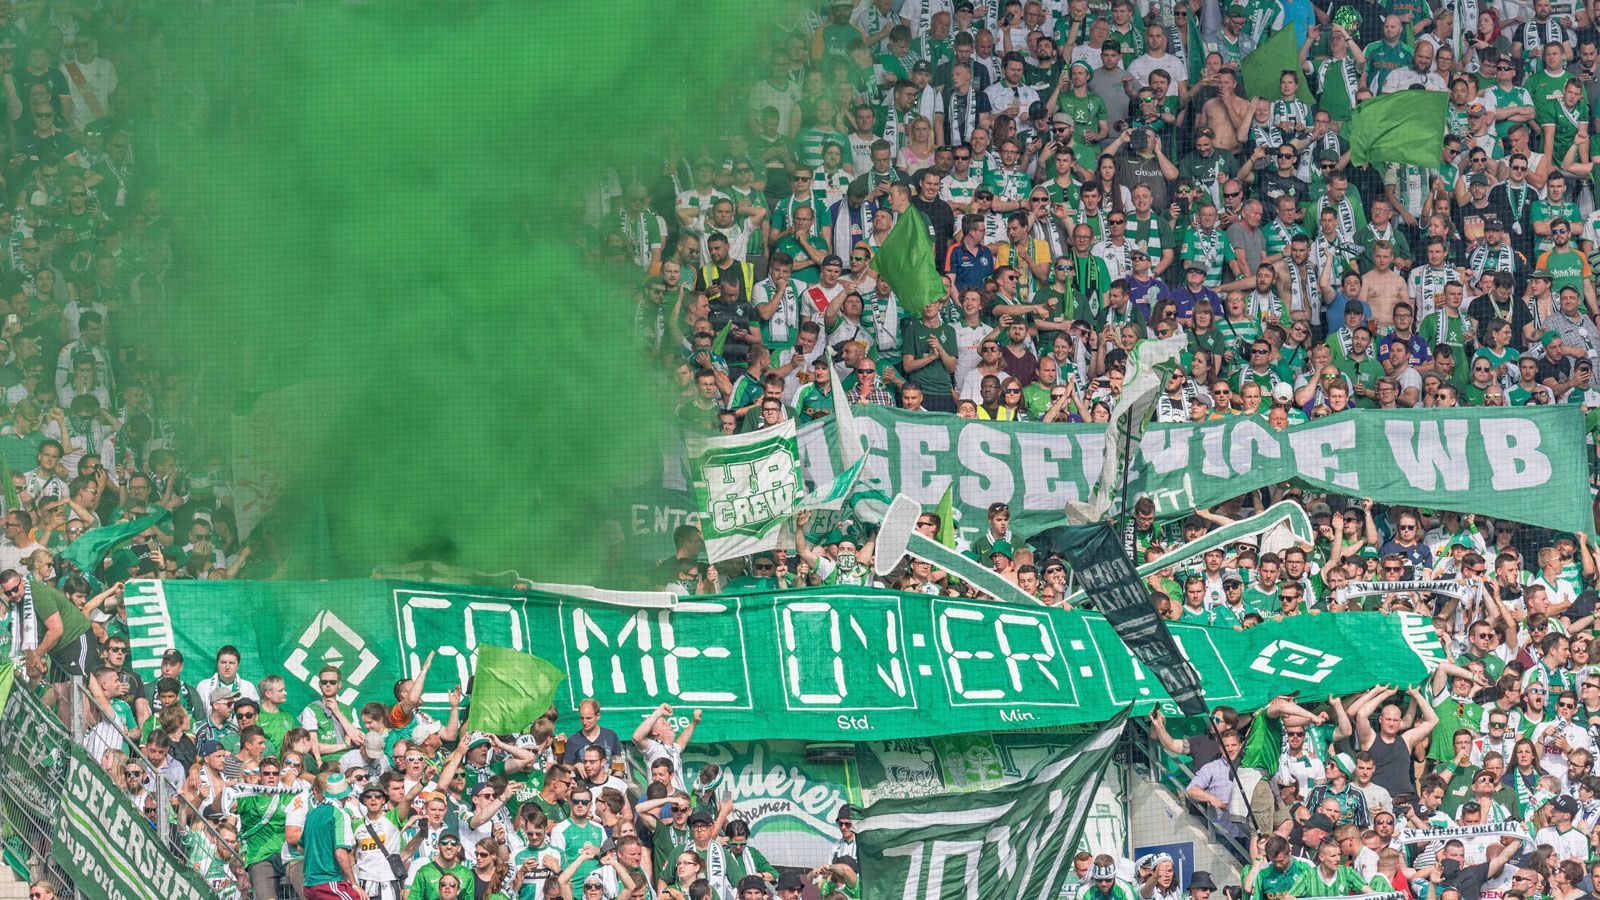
<point x="1228" y="114"/>
<point x="1383" y="287"/>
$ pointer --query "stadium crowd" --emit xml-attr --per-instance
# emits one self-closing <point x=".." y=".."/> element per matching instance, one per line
<point x="1090" y="174"/>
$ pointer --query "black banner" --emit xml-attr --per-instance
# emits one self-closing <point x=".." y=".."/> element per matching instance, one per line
<point x="1108" y="579"/>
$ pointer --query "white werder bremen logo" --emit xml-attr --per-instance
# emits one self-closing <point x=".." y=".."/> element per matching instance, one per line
<point x="1288" y="659"/>
<point x="329" y="641"/>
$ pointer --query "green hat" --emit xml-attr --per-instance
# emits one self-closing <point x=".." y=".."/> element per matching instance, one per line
<point x="1086" y="67"/>
<point x="1368" y="552"/>
<point x="1003" y="548"/>
<point x="1235" y="9"/>
<point x="336" y="787"/>
<point x="832" y="537"/>
<point x="1548" y="338"/>
<point x="477" y="740"/>
<point x="1458" y="541"/>
<point x="1345" y="762"/>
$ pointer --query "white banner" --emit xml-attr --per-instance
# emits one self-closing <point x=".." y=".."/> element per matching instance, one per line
<point x="747" y="486"/>
<point x="1488" y="829"/>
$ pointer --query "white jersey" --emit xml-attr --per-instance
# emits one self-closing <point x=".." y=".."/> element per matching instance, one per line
<point x="375" y="840"/>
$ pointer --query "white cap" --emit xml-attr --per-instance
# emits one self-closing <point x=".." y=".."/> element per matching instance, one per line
<point x="1282" y="393"/>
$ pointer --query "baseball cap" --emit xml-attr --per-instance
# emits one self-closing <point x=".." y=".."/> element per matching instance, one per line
<point x="701" y="817"/>
<point x="1478" y="178"/>
<point x="1138" y="250"/>
<point x="207" y="748"/>
<point x="1061" y="118"/>
<point x="832" y="259"/>
<point x="224" y="694"/>
<point x="921" y="66"/>
<point x="1320" y="821"/>
<point x="1566" y="804"/>
<point x="172" y="656"/>
<point x="1282" y="393"/>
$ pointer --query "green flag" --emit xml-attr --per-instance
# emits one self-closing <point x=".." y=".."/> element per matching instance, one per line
<point x="1017" y="842"/>
<point x="905" y="260"/>
<point x="510" y="689"/>
<point x="1266" y="64"/>
<point x="1404" y="127"/>
<point x="92" y="546"/>
<point x="947" y="517"/>
<point x="721" y="339"/>
<point x="1194" y="50"/>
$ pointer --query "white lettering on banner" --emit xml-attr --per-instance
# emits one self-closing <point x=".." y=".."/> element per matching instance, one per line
<point x="1312" y="458"/>
<point x="1512" y="446"/>
<point x="1166" y="450"/>
<point x="991" y="479"/>
<point x="1211" y="460"/>
<point x="919" y="463"/>
<point x="748" y="492"/>
<point x="965" y="853"/>
<point x="1249" y="439"/>
<point x="1048" y="483"/>
<point x="1431" y="453"/>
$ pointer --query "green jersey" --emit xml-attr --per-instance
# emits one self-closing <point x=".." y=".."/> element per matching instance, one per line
<point x="261" y="820"/>
<point x="1272" y="884"/>
<point x="1212" y="251"/>
<point x="1383" y="59"/>
<point x="425" y="885"/>
<point x="327" y="829"/>
<point x="1344" y="881"/>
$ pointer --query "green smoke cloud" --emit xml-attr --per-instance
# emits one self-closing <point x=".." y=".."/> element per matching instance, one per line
<point x="381" y="226"/>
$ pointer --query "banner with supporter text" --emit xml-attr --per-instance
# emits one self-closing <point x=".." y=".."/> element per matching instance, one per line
<point x="111" y="851"/>
<point x="1527" y="464"/>
<point x="833" y="663"/>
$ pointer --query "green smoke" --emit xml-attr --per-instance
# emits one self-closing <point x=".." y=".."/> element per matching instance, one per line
<point x="380" y="218"/>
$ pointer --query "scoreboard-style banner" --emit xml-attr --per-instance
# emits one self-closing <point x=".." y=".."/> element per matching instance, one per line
<point x="825" y="663"/>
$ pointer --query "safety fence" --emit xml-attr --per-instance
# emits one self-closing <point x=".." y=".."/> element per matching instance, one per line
<point x="86" y="811"/>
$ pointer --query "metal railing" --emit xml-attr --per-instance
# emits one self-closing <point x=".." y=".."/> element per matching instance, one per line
<point x="1146" y="755"/>
<point x="61" y="715"/>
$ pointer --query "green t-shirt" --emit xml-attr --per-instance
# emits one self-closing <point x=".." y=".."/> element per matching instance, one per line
<point x="1087" y="113"/>
<point x="933" y="377"/>
<point x="1545" y="91"/>
<point x="425" y="886"/>
<point x="1383" y="60"/>
<point x="1272" y="884"/>
<point x="1567" y="268"/>
<point x="276" y="725"/>
<point x="569" y="838"/>
<point x="1345" y="881"/>
<point x="47" y="601"/>
<point x="327" y="829"/>
<point x="261" y="819"/>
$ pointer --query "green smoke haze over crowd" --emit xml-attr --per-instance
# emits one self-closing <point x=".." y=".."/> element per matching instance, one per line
<point x="382" y="208"/>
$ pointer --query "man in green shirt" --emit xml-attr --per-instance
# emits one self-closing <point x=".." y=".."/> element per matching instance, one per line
<point x="446" y="860"/>
<point x="1274" y="871"/>
<point x="59" y="627"/>
<point x="329" y="840"/>
<point x="928" y="357"/>
<point x="273" y="718"/>
<point x="1545" y="83"/>
<point x="1388" y="55"/>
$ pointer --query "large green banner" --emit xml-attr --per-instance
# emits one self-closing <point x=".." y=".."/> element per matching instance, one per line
<point x="1017" y="843"/>
<point x="832" y="663"/>
<point x="1527" y="464"/>
<point x="108" y="849"/>
<point x="33" y="752"/>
